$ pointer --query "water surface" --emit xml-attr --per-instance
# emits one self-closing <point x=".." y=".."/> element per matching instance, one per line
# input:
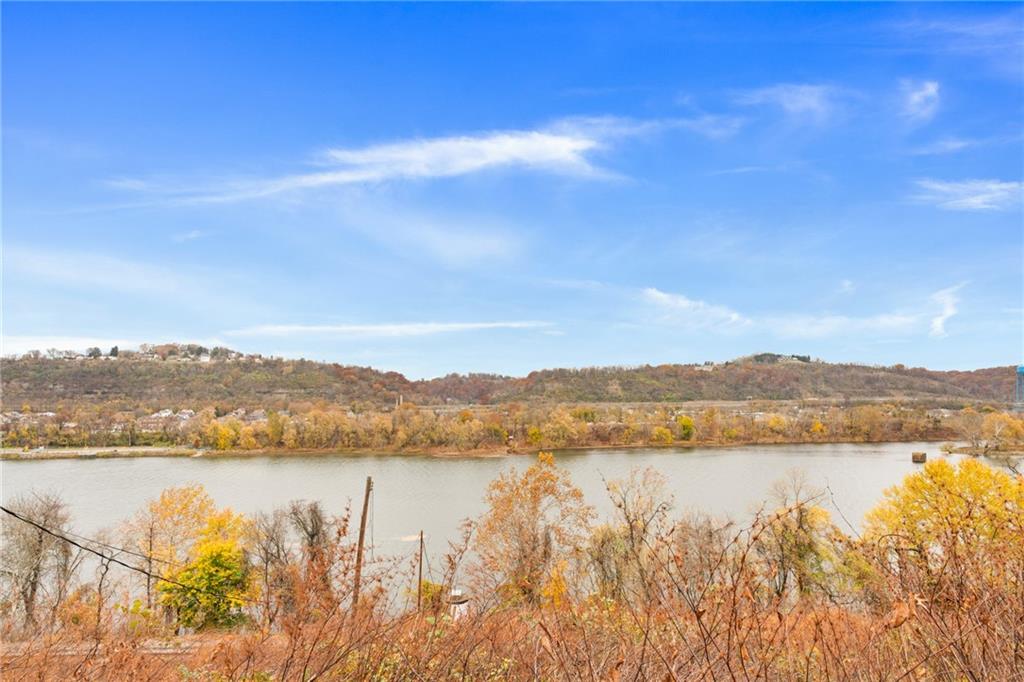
<point x="413" y="493"/>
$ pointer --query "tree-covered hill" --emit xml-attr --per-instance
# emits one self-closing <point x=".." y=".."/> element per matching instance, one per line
<point x="252" y="381"/>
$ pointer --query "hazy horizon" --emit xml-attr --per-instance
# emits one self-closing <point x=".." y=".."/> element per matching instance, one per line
<point x="429" y="377"/>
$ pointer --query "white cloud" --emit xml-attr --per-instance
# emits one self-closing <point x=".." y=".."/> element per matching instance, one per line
<point x="847" y="286"/>
<point x="563" y="153"/>
<point x="920" y="100"/>
<point x="948" y="300"/>
<point x="565" y="147"/>
<point x="803" y="100"/>
<point x="451" y="156"/>
<point x="970" y="195"/>
<point x="386" y="330"/>
<point x="680" y="309"/>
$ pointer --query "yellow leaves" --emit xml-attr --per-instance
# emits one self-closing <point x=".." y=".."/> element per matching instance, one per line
<point x="1000" y="430"/>
<point x="223" y="435"/>
<point x="972" y="501"/>
<point x="661" y="436"/>
<point x="685" y="425"/>
<point x="247" y="438"/>
<point x="546" y="458"/>
<point x="224" y="526"/>
<point x="555" y="589"/>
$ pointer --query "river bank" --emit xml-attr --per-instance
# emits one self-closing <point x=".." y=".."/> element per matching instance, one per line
<point x="142" y="451"/>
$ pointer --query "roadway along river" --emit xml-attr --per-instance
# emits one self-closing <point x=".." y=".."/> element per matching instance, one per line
<point x="435" y="494"/>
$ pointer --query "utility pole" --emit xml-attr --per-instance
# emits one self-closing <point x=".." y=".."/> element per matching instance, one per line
<point x="359" y="549"/>
<point x="419" y="583"/>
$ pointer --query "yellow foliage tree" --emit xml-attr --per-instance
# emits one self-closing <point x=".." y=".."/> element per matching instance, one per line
<point x="943" y="504"/>
<point x="661" y="435"/>
<point x="167" y="527"/>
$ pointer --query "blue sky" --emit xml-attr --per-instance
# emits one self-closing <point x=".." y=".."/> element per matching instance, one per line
<point x="437" y="188"/>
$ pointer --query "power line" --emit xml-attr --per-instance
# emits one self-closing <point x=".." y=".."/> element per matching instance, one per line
<point x="121" y="549"/>
<point x="115" y="560"/>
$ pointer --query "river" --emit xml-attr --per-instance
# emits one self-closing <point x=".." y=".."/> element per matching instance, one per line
<point x="433" y="494"/>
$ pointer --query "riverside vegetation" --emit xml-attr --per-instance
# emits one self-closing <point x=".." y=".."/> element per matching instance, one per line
<point x="410" y="428"/>
<point x="931" y="589"/>
<point x="189" y="396"/>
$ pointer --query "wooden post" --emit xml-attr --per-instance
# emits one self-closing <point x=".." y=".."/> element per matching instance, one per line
<point x="419" y="583"/>
<point x="359" y="548"/>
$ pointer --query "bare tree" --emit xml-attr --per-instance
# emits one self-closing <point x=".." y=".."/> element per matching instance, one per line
<point x="38" y="567"/>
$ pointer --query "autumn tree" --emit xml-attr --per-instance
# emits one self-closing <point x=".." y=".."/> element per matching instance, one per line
<point x="797" y="540"/>
<point x="535" y="521"/>
<point x="661" y="435"/>
<point x="213" y="587"/>
<point x="1000" y="431"/>
<point x="685" y="427"/>
<point x="970" y="424"/>
<point x="166" y="528"/>
<point x="969" y="503"/>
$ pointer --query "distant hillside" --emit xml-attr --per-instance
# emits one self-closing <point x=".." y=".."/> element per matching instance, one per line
<point x="182" y="380"/>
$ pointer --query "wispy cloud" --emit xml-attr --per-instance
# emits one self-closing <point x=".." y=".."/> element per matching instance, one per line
<point x="948" y="301"/>
<point x="996" y="38"/>
<point x="847" y="286"/>
<point x="968" y="34"/>
<point x="565" y="147"/>
<point x="693" y="313"/>
<point x="576" y="284"/>
<point x="824" y="326"/>
<point x="814" y="102"/>
<point x="945" y="145"/>
<point x="192" y="288"/>
<point x="385" y="330"/>
<point x="970" y="195"/>
<point x="93" y="270"/>
<point x="564" y="152"/>
<point x="952" y="144"/>
<point x="920" y="100"/>
<point x="679" y="310"/>
<point x="743" y="170"/>
<point x="453" y="240"/>
<point x="189" y="236"/>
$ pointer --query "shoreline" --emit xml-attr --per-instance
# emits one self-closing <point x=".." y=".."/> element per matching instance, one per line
<point x="143" y="451"/>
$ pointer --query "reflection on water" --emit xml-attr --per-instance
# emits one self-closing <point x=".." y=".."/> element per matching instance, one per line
<point x="413" y="493"/>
